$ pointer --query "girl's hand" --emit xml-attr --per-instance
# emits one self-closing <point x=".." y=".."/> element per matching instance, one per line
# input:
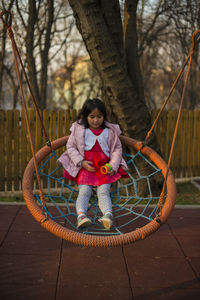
<point x="88" y="166"/>
<point x="112" y="172"/>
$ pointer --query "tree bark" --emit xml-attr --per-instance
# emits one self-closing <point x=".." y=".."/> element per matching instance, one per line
<point x="126" y="103"/>
<point x="2" y="58"/>
<point x="3" y="49"/>
<point x="131" y="47"/>
<point x="111" y="14"/>
<point x="39" y="86"/>
<point x="45" y="54"/>
<point x="32" y="19"/>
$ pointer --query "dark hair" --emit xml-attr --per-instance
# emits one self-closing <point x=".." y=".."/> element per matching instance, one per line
<point x="88" y="107"/>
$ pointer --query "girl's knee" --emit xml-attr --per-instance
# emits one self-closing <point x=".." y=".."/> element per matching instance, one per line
<point x="85" y="189"/>
<point x="103" y="189"/>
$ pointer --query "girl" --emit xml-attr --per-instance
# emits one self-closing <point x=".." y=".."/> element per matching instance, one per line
<point x="93" y="143"/>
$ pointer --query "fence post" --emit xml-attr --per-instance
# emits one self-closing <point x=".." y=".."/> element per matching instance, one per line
<point x="16" y="150"/>
<point x="9" y="149"/>
<point x="2" y="151"/>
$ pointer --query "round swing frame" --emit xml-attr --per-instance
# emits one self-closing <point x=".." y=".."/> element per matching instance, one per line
<point x="95" y="240"/>
<point x="169" y="181"/>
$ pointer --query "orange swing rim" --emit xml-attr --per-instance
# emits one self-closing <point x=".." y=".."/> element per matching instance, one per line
<point x="95" y="240"/>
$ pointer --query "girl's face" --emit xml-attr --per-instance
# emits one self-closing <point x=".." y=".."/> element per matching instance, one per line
<point x="95" y="119"/>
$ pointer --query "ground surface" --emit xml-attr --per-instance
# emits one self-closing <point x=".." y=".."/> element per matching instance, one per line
<point x="36" y="265"/>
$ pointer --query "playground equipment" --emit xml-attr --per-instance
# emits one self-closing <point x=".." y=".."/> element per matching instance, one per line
<point x="136" y="216"/>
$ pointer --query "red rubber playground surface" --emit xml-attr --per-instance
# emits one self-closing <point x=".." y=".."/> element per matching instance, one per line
<point x="34" y="264"/>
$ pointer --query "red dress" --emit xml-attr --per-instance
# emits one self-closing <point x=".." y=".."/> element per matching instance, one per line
<point x="99" y="158"/>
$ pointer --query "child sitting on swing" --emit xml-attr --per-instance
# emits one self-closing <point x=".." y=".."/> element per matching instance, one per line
<point x="93" y="143"/>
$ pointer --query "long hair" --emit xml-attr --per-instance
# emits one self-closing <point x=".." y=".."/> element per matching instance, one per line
<point x="88" y="107"/>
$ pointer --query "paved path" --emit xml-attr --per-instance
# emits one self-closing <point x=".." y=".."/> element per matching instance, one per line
<point x="36" y="265"/>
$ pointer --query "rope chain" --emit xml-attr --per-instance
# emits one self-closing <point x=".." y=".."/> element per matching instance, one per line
<point x="188" y="59"/>
<point x="8" y="24"/>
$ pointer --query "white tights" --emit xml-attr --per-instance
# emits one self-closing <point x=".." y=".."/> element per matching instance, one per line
<point x="103" y="194"/>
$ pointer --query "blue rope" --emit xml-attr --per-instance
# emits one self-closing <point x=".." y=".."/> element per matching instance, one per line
<point x="127" y="204"/>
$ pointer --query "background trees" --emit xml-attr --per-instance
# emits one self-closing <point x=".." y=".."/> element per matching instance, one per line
<point x="116" y="44"/>
<point x="47" y="39"/>
<point x="165" y="29"/>
<point x="42" y="23"/>
<point x="150" y="38"/>
<point x="3" y="65"/>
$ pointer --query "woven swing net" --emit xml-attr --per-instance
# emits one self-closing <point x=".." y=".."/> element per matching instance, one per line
<point x="129" y="206"/>
<point x="135" y="216"/>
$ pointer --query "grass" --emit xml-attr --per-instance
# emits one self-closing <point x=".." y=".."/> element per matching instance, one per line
<point x="187" y="194"/>
<point x="12" y="199"/>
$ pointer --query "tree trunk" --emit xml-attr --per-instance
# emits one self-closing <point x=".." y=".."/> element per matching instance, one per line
<point x="3" y="49"/>
<point x="32" y="19"/>
<point x="45" y="54"/>
<point x="2" y="58"/>
<point x="193" y="95"/>
<point x="111" y="14"/>
<point x="127" y="104"/>
<point x="131" y="47"/>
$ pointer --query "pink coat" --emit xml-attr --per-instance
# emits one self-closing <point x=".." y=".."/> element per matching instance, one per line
<point x="74" y="154"/>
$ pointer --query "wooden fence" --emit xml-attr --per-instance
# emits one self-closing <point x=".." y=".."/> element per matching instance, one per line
<point x="15" y="149"/>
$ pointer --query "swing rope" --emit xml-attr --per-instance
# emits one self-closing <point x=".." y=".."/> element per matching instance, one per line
<point x="6" y="18"/>
<point x="141" y="147"/>
<point x="188" y="62"/>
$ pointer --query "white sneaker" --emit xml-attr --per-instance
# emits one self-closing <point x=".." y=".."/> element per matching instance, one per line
<point x="83" y="221"/>
<point x="106" y="220"/>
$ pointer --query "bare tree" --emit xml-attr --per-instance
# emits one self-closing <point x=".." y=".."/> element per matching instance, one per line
<point x="100" y="25"/>
<point x="147" y="40"/>
<point x="165" y="29"/>
<point x="41" y="31"/>
<point x="186" y="19"/>
<point x="47" y="39"/>
<point x="38" y="27"/>
<point x="3" y="38"/>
